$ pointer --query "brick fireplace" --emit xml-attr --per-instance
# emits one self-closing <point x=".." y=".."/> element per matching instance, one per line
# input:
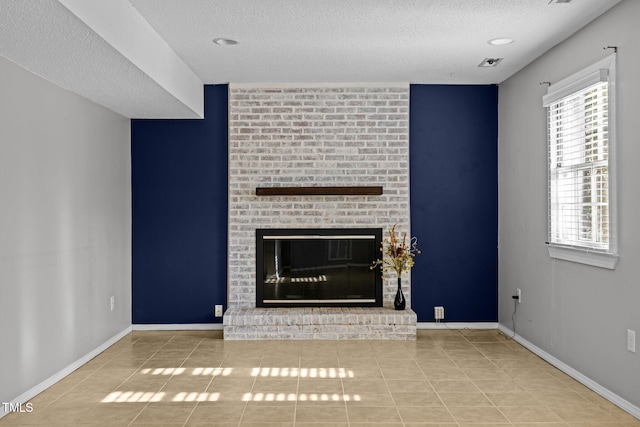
<point x="314" y="135"/>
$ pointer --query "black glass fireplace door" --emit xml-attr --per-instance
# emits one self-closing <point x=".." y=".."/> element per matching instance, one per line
<point x="318" y="267"/>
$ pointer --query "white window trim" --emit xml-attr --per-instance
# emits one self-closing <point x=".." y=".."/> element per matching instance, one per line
<point x="591" y="257"/>
<point x="583" y="256"/>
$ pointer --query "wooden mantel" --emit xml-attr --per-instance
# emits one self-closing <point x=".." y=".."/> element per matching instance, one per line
<point x="320" y="191"/>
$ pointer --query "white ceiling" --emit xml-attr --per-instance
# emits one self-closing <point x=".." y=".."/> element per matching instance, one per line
<point x="118" y="60"/>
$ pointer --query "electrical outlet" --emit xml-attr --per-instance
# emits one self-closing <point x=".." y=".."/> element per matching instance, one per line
<point x="438" y="313"/>
<point x="217" y="311"/>
<point x="112" y="302"/>
<point x="519" y="293"/>
<point x="631" y="340"/>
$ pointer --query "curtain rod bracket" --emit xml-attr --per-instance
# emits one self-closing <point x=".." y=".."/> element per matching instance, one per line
<point x="615" y="48"/>
<point x="545" y="83"/>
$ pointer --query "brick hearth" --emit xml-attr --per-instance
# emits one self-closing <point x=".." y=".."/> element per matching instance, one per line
<point x="319" y="323"/>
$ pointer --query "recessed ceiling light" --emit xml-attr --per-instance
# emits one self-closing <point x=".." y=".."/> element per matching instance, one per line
<point x="559" y="1"/>
<point x="500" y="41"/>
<point x="224" y="42"/>
<point x="490" y="62"/>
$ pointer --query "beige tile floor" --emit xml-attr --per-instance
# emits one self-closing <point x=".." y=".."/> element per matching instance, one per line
<point x="196" y="379"/>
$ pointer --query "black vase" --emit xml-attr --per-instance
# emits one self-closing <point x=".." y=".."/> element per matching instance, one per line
<point x="399" y="302"/>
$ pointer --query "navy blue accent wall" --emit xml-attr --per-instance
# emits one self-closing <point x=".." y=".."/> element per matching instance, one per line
<point x="453" y="134"/>
<point x="179" y="187"/>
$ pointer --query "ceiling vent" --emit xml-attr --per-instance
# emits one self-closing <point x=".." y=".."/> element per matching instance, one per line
<point x="490" y="62"/>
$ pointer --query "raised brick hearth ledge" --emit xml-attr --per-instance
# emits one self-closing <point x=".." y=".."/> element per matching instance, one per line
<point x="326" y="323"/>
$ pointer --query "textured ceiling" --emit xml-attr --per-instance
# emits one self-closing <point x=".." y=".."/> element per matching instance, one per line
<point x="414" y="41"/>
<point x="47" y="39"/>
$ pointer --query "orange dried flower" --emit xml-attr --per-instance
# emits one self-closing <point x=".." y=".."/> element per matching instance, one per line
<point x="398" y="256"/>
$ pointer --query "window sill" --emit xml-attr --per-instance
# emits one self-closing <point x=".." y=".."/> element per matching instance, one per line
<point x="583" y="256"/>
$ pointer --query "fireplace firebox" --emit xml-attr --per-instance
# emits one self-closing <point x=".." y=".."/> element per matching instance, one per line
<point x="318" y="267"/>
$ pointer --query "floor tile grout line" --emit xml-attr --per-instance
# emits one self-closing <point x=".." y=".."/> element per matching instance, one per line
<point x="103" y="367"/>
<point x="543" y="404"/>
<point x="147" y="403"/>
<point x="253" y="384"/>
<point x="344" y="392"/>
<point x="295" y="405"/>
<point x="438" y="394"/>
<point x="481" y="390"/>
<point x="527" y="391"/>
<point x="138" y="370"/>
<point x="208" y="385"/>
<point x="395" y="405"/>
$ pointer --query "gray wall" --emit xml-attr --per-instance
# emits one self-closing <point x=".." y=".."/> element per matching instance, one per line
<point x="65" y="216"/>
<point x="577" y="313"/>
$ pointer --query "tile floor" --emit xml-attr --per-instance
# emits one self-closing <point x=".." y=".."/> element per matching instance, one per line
<point x="196" y="379"/>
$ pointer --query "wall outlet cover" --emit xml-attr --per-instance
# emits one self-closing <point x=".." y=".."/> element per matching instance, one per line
<point x="217" y="310"/>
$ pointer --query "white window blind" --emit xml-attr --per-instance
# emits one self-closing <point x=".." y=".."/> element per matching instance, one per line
<point x="581" y="214"/>
<point x="578" y="168"/>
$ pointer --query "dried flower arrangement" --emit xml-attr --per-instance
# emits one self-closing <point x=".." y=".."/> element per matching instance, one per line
<point x="397" y="255"/>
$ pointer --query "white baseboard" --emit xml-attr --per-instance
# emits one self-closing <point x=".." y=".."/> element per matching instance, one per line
<point x="31" y="393"/>
<point x="178" y="327"/>
<point x="588" y="382"/>
<point x="457" y="325"/>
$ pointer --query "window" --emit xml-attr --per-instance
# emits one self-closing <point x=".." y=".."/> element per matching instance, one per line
<point x="339" y="250"/>
<point x="581" y="166"/>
